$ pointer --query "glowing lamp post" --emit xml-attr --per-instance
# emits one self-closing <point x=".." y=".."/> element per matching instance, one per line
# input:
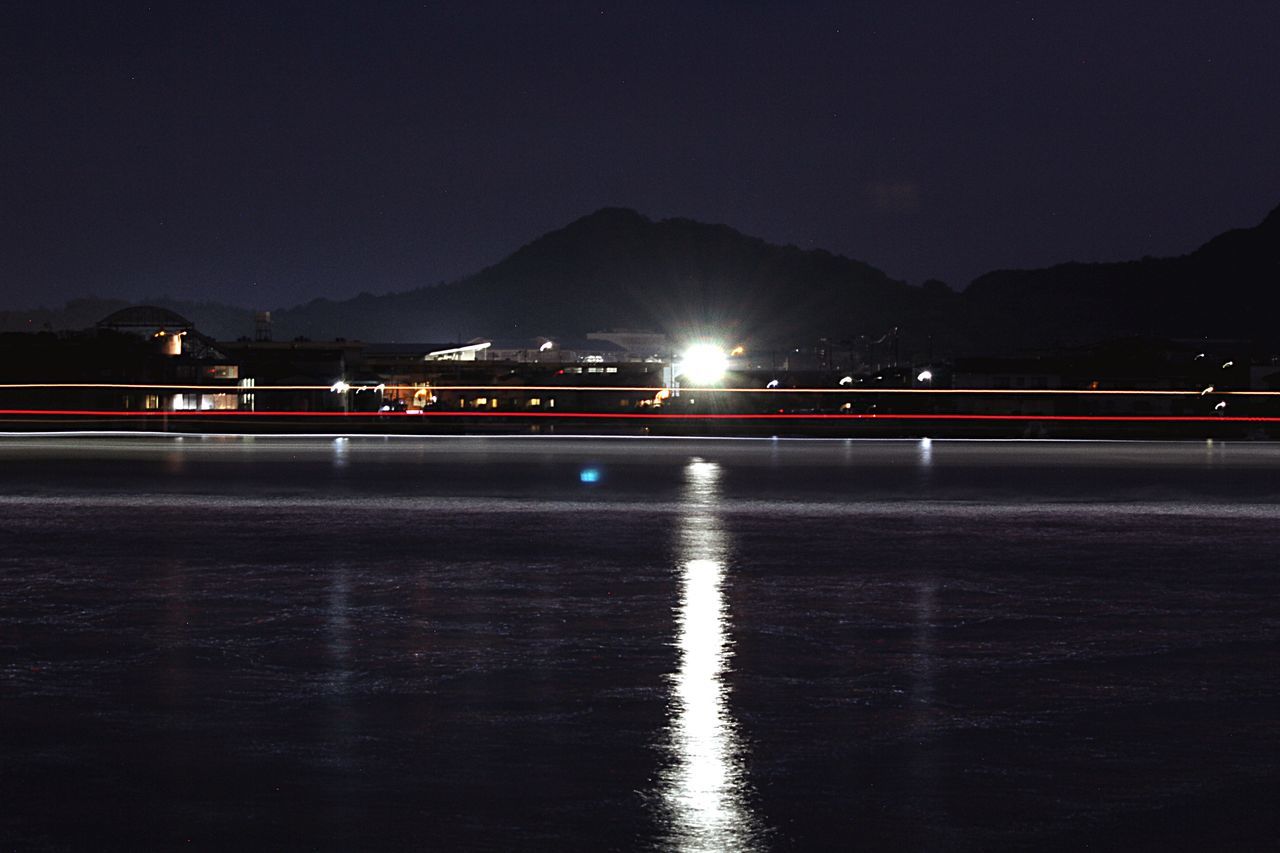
<point x="341" y="387"/>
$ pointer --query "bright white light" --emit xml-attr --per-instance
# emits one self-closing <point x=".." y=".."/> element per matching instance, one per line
<point x="847" y="380"/>
<point x="1227" y="364"/>
<point x="546" y="346"/>
<point x="925" y="376"/>
<point x="703" y="364"/>
<point x="1208" y="390"/>
<point x="773" y="383"/>
<point x="705" y="788"/>
<point x="340" y="386"/>
<point x="1220" y="406"/>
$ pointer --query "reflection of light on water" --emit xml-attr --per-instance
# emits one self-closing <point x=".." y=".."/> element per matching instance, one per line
<point x="923" y="659"/>
<point x="338" y="627"/>
<point x="921" y="759"/>
<point x="175" y="631"/>
<point x="705" y="789"/>
<point x="343" y="726"/>
<point x="175" y="462"/>
<point x="924" y="462"/>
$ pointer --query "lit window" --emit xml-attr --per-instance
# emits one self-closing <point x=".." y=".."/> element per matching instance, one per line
<point x="535" y="401"/>
<point x="213" y="402"/>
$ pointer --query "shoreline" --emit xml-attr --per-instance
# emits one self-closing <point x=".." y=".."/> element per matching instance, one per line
<point x="993" y="427"/>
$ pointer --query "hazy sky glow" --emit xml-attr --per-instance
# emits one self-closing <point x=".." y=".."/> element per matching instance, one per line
<point x="265" y="153"/>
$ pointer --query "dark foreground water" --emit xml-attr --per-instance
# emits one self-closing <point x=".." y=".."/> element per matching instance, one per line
<point x="574" y="644"/>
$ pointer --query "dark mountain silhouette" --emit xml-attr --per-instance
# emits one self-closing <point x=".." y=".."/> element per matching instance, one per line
<point x="1228" y="288"/>
<point x="617" y="269"/>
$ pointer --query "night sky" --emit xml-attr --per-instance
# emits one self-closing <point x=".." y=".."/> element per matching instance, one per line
<point x="267" y="153"/>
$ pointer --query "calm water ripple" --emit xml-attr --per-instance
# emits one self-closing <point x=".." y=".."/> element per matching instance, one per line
<point x="496" y="644"/>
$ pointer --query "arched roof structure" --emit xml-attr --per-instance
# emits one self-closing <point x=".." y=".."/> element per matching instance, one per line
<point x="145" y="318"/>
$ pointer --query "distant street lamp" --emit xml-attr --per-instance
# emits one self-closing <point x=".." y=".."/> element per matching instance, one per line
<point x="341" y="387"/>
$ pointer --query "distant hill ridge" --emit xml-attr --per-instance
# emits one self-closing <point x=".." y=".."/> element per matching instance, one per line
<point x="1227" y="288"/>
<point x="616" y="268"/>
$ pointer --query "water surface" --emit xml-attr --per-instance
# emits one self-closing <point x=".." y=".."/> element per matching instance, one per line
<point x="535" y="643"/>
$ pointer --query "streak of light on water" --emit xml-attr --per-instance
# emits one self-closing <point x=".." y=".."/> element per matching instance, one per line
<point x="706" y="789"/>
<point x="465" y="643"/>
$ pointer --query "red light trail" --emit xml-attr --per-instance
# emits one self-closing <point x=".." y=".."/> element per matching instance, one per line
<point x="633" y="416"/>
